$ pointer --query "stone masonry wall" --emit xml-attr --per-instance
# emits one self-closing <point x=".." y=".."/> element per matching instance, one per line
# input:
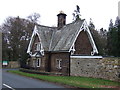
<point x="13" y="64"/>
<point x="64" y="63"/>
<point x="106" y="68"/>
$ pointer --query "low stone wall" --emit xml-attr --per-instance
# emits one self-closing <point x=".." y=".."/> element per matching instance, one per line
<point x="12" y="64"/>
<point x="106" y="68"/>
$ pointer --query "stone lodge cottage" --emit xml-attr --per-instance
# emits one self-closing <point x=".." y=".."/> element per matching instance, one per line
<point x="51" y="48"/>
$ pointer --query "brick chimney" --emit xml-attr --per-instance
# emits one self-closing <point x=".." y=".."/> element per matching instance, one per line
<point x="61" y="19"/>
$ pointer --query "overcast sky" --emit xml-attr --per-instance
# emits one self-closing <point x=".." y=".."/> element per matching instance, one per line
<point x="101" y="11"/>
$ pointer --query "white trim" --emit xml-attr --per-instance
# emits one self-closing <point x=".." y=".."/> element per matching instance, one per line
<point x="59" y="63"/>
<point x="72" y="49"/>
<point x="31" y="40"/>
<point x="33" y="55"/>
<point x="97" y="57"/>
<point x="84" y="26"/>
<point x="38" y="46"/>
<point x="91" y="39"/>
<point x="35" y="32"/>
<point x="41" y="48"/>
<point x="38" y="59"/>
<point x="76" y="36"/>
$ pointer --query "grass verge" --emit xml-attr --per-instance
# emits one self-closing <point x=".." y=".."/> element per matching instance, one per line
<point x="82" y="82"/>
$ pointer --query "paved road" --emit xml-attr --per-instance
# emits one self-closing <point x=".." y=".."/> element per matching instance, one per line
<point x="16" y="81"/>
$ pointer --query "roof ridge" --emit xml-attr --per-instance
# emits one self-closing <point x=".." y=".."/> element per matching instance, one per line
<point x="46" y="26"/>
<point x="71" y="23"/>
<point x="63" y="26"/>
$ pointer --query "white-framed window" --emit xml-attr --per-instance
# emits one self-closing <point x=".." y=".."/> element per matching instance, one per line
<point x="37" y="46"/>
<point x="38" y="62"/>
<point x="59" y="63"/>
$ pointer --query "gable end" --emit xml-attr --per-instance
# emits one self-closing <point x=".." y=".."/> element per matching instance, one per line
<point x="85" y="28"/>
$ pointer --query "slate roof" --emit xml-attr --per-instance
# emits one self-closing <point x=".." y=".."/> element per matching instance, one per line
<point x="54" y="39"/>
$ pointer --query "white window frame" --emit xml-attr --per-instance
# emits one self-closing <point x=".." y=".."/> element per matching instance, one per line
<point x="59" y="62"/>
<point x="37" y="46"/>
<point x="38" y="62"/>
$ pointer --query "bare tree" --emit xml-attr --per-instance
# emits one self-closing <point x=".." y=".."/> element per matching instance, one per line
<point x="34" y="17"/>
<point x="76" y="13"/>
<point x="16" y="36"/>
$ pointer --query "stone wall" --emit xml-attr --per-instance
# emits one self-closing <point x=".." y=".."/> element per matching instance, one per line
<point x="106" y="68"/>
<point x="13" y="64"/>
<point x="31" y="63"/>
<point x="49" y="63"/>
<point x="64" y="63"/>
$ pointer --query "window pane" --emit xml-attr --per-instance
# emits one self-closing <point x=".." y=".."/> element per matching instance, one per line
<point x="38" y="63"/>
<point x="58" y="63"/>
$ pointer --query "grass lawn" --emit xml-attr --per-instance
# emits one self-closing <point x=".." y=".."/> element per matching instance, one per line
<point x="82" y="82"/>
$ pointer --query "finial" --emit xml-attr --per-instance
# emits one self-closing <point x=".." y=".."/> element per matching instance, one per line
<point x="61" y="12"/>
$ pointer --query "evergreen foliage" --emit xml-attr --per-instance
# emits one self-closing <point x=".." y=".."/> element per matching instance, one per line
<point x="99" y="37"/>
<point x="113" y="38"/>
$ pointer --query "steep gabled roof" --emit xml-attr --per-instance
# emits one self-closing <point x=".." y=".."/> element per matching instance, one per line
<point x="64" y="38"/>
<point x="54" y="39"/>
<point x="46" y="34"/>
